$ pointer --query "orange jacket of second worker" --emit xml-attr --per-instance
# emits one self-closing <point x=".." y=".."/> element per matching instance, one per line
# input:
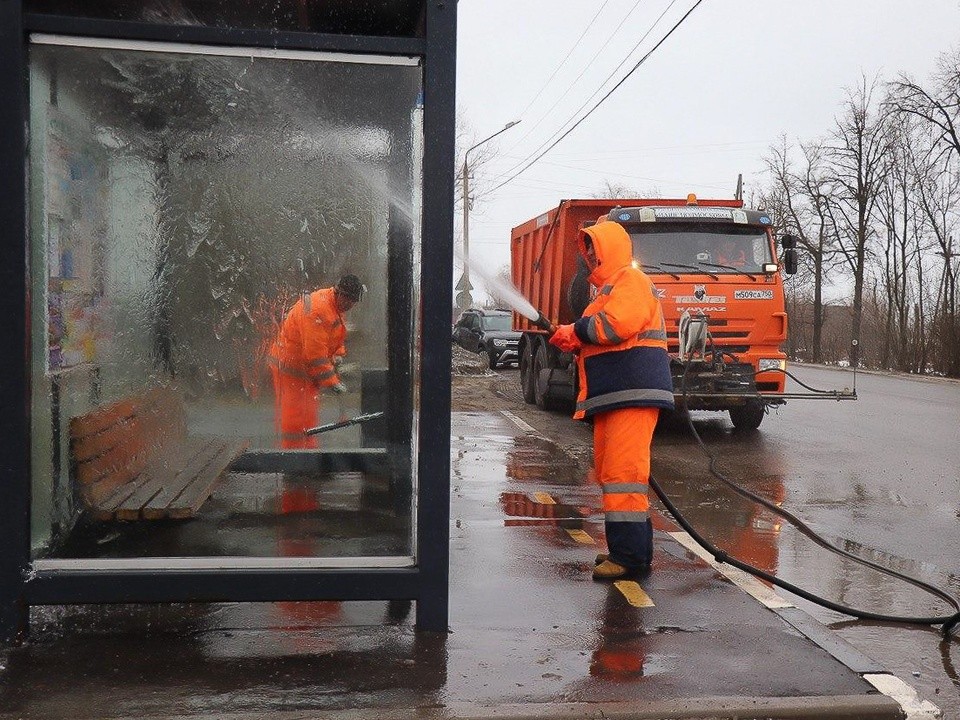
<point x="310" y="338"/>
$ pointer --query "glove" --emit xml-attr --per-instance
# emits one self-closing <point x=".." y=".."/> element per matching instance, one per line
<point x="566" y="339"/>
<point x="339" y="388"/>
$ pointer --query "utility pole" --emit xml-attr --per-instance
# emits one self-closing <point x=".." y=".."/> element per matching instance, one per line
<point x="464" y="298"/>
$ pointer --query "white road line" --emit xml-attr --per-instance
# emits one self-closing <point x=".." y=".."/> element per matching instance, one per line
<point x="915" y="707"/>
<point x="748" y="583"/>
<point x="520" y="423"/>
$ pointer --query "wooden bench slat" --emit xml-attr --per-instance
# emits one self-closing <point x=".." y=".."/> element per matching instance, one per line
<point x="107" y="508"/>
<point x="195" y="492"/>
<point x="162" y="471"/>
<point x="202" y="454"/>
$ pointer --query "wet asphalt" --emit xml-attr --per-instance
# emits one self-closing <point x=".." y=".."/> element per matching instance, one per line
<point x="531" y="635"/>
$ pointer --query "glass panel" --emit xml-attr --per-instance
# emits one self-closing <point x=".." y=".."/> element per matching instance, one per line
<point x="192" y="218"/>
<point x="396" y="18"/>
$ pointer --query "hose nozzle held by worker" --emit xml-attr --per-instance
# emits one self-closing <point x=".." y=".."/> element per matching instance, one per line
<point x="544" y="324"/>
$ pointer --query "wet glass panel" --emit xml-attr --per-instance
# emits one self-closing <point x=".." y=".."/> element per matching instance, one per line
<point x="194" y="221"/>
<point x="391" y="18"/>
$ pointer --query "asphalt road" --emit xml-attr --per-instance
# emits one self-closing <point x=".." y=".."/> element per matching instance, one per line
<point x="879" y="476"/>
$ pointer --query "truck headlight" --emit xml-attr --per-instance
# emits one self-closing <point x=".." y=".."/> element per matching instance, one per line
<point x="771" y="364"/>
<point x="500" y="343"/>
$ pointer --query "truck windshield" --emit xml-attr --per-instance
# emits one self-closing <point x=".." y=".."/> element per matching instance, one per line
<point x="722" y="249"/>
<point x="497" y="322"/>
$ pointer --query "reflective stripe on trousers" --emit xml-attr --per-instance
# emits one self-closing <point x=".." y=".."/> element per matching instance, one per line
<point x="621" y="454"/>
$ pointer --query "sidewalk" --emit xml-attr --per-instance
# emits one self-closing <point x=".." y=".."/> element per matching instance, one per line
<point x="532" y="636"/>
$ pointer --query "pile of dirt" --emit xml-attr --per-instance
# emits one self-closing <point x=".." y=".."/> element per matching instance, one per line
<point x="464" y="362"/>
<point x="474" y="386"/>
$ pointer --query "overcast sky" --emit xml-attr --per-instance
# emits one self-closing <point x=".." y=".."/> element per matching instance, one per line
<point x="707" y="105"/>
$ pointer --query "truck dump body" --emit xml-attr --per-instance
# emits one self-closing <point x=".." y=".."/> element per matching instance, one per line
<point x="713" y="260"/>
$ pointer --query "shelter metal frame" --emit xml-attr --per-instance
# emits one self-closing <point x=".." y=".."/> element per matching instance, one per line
<point x="22" y="585"/>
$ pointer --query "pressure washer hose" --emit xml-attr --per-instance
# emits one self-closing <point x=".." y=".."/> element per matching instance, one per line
<point x="948" y="622"/>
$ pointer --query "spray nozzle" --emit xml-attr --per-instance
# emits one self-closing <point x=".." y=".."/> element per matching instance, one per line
<point x="544" y="324"/>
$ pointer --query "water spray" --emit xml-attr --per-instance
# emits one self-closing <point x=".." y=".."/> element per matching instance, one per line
<point x="508" y="292"/>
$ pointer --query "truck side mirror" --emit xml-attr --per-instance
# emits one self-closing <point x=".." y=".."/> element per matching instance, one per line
<point x="789" y="243"/>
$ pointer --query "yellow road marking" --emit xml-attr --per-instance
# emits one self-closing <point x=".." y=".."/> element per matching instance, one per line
<point x="581" y="537"/>
<point x="544" y="498"/>
<point x="634" y="594"/>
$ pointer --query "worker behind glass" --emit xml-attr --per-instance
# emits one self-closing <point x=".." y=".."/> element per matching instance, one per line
<point x="306" y="356"/>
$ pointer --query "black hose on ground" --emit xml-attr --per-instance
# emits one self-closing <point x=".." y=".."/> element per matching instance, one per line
<point x="948" y="621"/>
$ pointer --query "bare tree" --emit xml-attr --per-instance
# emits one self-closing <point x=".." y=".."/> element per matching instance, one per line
<point x="616" y="189"/>
<point x="940" y="109"/>
<point x="804" y="212"/>
<point x="858" y="163"/>
<point x="938" y="183"/>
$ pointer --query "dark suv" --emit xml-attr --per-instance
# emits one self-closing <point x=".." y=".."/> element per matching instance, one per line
<point x="490" y="332"/>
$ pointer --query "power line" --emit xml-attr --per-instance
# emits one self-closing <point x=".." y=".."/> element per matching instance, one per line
<point x="565" y="58"/>
<point x="596" y="90"/>
<point x="599" y="102"/>
<point x="600" y="49"/>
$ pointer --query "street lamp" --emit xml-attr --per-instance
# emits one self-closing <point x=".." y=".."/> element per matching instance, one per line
<point x="464" y="299"/>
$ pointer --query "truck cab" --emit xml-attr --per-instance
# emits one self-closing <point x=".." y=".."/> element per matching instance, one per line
<point x="715" y="268"/>
<point x="718" y="264"/>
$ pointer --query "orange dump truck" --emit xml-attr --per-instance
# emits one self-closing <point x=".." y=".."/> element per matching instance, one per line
<point x="718" y="277"/>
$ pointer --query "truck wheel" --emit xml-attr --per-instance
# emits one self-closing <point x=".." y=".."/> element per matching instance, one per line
<point x="578" y="294"/>
<point x="527" y="380"/>
<point x="541" y="389"/>
<point x="749" y="416"/>
<point x="491" y="356"/>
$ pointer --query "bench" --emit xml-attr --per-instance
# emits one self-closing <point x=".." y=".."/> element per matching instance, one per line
<point x="133" y="459"/>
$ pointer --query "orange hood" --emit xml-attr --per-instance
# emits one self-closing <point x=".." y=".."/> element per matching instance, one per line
<point x="613" y="248"/>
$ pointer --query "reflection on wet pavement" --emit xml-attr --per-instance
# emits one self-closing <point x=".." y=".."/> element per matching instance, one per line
<point x="529" y="626"/>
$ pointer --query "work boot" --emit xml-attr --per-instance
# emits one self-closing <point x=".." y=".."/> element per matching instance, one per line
<point x="609" y="570"/>
<point x="600" y="558"/>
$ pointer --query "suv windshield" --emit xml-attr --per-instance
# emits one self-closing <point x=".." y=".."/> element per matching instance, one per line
<point x="741" y="249"/>
<point x="496" y="322"/>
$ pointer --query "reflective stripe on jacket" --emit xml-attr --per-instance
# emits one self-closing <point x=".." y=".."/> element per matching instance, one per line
<point x="311" y="336"/>
<point x="624" y="361"/>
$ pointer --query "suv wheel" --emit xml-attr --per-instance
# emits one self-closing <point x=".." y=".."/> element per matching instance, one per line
<point x="492" y="357"/>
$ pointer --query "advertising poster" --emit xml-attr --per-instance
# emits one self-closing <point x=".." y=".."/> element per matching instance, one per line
<point x="75" y="204"/>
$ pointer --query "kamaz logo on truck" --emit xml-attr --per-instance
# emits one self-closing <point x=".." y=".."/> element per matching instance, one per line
<point x="700" y="296"/>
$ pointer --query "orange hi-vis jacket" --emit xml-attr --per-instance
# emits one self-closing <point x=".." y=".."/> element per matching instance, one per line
<point x="311" y="336"/>
<point x="623" y="361"/>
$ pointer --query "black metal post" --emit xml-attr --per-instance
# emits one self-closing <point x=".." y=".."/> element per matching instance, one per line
<point x="15" y="387"/>
<point x="433" y="525"/>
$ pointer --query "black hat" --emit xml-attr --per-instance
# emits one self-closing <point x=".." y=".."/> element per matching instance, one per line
<point x="351" y="287"/>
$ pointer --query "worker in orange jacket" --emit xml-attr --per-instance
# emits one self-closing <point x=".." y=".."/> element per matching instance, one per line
<point x="306" y="356"/>
<point x="621" y="347"/>
<point x="730" y="253"/>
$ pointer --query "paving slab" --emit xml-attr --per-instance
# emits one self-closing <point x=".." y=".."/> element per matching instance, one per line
<point x="531" y="635"/>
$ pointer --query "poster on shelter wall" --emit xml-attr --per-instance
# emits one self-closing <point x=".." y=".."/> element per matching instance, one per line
<point x="75" y="226"/>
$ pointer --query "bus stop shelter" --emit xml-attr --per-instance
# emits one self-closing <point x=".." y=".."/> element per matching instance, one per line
<point x="177" y="176"/>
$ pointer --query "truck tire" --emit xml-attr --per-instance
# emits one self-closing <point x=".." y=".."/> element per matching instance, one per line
<point x="527" y="380"/>
<point x="541" y="390"/>
<point x="578" y="294"/>
<point x="749" y="416"/>
<point x="492" y="359"/>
